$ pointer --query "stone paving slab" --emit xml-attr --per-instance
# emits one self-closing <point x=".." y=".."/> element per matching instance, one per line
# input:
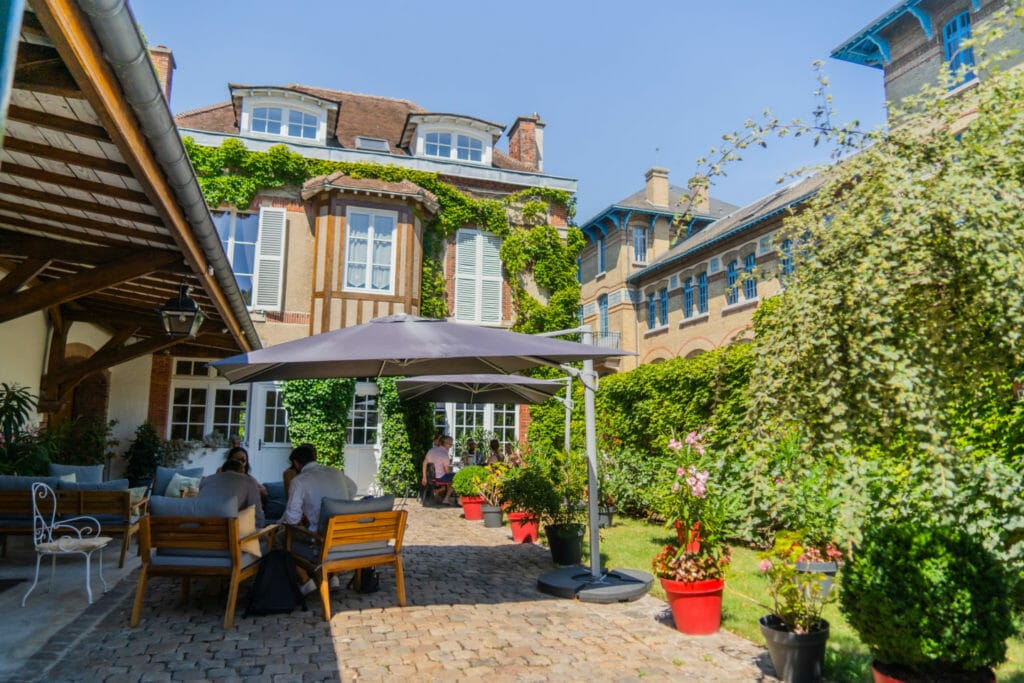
<point x="473" y="612"/>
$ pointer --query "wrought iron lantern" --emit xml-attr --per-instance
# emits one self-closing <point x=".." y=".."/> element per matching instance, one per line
<point x="181" y="315"/>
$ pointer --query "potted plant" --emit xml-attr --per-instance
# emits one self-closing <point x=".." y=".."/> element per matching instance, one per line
<point x="526" y="491"/>
<point x="466" y="484"/>
<point x="795" y="631"/>
<point x="927" y="601"/>
<point x="491" y="490"/>
<point x="564" y="516"/>
<point x="693" y="573"/>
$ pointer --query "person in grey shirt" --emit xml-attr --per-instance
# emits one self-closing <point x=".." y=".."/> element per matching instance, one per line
<point x="233" y="481"/>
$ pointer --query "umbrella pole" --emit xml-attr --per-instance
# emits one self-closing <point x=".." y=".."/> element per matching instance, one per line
<point x="589" y="380"/>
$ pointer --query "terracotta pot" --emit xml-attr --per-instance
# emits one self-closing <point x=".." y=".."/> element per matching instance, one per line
<point x="525" y="527"/>
<point x="696" y="605"/>
<point x="471" y="507"/>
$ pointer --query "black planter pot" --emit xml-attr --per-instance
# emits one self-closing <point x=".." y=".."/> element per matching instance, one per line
<point x="566" y="542"/>
<point x="492" y="516"/>
<point x="797" y="657"/>
<point x="604" y="517"/>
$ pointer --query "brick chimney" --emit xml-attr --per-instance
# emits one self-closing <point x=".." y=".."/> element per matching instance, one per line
<point x="699" y="194"/>
<point x="163" y="62"/>
<point x="656" y="191"/>
<point x="526" y="141"/>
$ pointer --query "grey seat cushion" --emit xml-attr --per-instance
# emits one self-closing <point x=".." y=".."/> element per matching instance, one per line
<point x="165" y="474"/>
<point x="311" y="553"/>
<point x="183" y="558"/>
<point x="84" y="474"/>
<point x="329" y="507"/>
<point x="165" y="506"/>
<point x="112" y="485"/>
<point x="12" y="482"/>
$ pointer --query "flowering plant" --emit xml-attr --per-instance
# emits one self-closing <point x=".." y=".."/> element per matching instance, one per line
<point x="490" y="487"/>
<point x="798" y="597"/>
<point x="692" y="501"/>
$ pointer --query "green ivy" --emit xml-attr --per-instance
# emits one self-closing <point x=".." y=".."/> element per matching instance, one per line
<point x="405" y="434"/>
<point x="232" y="175"/>
<point x="318" y="414"/>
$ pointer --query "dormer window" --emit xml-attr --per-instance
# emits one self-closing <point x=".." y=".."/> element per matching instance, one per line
<point x="283" y="113"/>
<point x="451" y="137"/>
<point x="372" y="144"/>
<point x="279" y="121"/>
<point x="465" y="147"/>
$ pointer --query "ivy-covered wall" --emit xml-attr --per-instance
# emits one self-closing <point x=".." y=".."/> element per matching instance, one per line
<point x="534" y="254"/>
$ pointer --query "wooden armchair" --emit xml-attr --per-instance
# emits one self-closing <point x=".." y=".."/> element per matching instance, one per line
<point x="189" y="546"/>
<point x="114" y="510"/>
<point x="350" y="542"/>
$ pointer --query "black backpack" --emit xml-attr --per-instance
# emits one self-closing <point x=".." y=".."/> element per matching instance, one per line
<point x="276" y="589"/>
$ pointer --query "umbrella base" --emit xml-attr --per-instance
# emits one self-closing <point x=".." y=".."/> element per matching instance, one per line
<point x="576" y="581"/>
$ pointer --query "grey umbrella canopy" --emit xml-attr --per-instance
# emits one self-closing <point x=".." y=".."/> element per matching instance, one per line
<point x="477" y="389"/>
<point x="405" y="345"/>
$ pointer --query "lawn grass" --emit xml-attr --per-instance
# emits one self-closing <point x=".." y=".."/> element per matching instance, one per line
<point x="631" y="544"/>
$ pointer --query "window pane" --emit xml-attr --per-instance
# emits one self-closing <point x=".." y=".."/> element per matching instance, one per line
<point x="243" y="258"/>
<point x="247" y="227"/>
<point x="245" y="288"/>
<point x="222" y="221"/>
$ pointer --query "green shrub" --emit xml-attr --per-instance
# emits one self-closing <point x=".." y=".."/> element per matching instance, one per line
<point x="528" y="489"/>
<point x="405" y="431"/>
<point x="629" y="481"/>
<point x="318" y="414"/>
<point x="929" y="598"/>
<point x="467" y="481"/>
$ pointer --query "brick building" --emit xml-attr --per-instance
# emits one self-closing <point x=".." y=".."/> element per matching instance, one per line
<point x="340" y="250"/>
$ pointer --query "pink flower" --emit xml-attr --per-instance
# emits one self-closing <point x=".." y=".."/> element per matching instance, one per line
<point x="675" y="444"/>
<point x="680" y="472"/>
<point x="675" y="487"/>
<point x="765" y="565"/>
<point x="693" y="438"/>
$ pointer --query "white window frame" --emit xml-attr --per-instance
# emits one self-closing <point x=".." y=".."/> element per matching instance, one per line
<point x="285" y="105"/>
<point x="211" y="384"/>
<point x="268" y="255"/>
<point x="365" y="389"/>
<point x="453" y="151"/>
<point x="475" y="280"/>
<point x="487" y="410"/>
<point x="367" y="288"/>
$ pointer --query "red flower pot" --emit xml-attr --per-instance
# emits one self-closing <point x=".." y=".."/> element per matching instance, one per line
<point x="696" y="605"/>
<point x="892" y="674"/>
<point x="525" y="527"/>
<point x="471" y="507"/>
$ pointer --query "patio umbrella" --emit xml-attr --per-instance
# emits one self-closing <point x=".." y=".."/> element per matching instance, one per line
<point x="477" y="389"/>
<point x="405" y="345"/>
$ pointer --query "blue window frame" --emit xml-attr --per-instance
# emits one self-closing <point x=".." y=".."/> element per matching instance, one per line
<point x="663" y="306"/>
<point x="750" y="282"/>
<point x="602" y="314"/>
<point x="702" y="293"/>
<point x="652" y="310"/>
<point x="785" y="260"/>
<point x="600" y="255"/>
<point x="732" y="295"/>
<point x="688" y="298"/>
<point x="954" y="33"/>
<point x="639" y="244"/>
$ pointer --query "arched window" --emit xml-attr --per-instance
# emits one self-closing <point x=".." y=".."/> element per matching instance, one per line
<point x="702" y="292"/>
<point x="954" y="33"/>
<point x="750" y="282"/>
<point x="688" y="298"/>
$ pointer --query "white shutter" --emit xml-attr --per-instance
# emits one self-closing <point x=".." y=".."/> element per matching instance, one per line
<point x="466" y="264"/>
<point x="269" y="260"/>
<point x="490" y="279"/>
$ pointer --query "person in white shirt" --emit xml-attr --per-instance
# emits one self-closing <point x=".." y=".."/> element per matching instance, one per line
<point x="311" y="485"/>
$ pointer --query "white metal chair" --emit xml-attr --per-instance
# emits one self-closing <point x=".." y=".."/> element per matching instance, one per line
<point x="65" y="536"/>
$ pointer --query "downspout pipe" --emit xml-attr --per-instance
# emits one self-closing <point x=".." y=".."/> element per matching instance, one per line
<point x="118" y="34"/>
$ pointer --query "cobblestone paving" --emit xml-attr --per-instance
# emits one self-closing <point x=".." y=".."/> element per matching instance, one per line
<point x="473" y="613"/>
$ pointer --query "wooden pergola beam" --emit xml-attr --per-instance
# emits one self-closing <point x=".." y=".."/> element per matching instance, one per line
<point x="80" y="237"/>
<point x="80" y="204"/>
<point x="61" y="180"/>
<point x="30" y="246"/>
<point x="63" y="124"/>
<point x="84" y="283"/>
<point x="22" y="274"/>
<point x="81" y="222"/>
<point x="66" y="156"/>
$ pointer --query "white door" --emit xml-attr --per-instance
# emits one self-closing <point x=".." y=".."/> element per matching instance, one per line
<point x="268" y="441"/>
<point x="362" y="448"/>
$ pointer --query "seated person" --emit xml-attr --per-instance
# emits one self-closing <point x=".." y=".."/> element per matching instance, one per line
<point x="495" y="454"/>
<point x="439" y="458"/>
<point x="470" y="456"/>
<point x="230" y="481"/>
<point x="239" y="454"/>
<point x="308" y="488"/>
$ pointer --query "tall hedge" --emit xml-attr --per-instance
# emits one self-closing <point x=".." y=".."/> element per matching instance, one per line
<point x="406" y="431"/>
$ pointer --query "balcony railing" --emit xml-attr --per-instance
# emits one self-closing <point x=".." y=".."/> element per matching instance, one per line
<point x="608" y="340"/>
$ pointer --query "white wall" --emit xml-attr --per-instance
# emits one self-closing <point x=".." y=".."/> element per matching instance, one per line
<point x="23" y="351"/>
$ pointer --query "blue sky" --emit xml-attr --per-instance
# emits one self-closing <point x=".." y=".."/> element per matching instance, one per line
<point x="622" y="86"/>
